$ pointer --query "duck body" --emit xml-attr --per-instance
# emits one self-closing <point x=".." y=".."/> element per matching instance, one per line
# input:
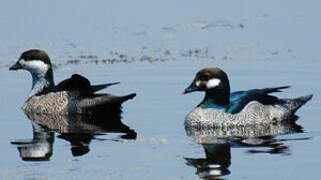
<point x="70" y="102"/>
<point x="241" y="108"/>
<point x="253" y="113"/>
<point x="74" y="95"/>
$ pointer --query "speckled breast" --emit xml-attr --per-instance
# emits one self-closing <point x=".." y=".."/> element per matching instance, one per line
<point x="51" y="103"/>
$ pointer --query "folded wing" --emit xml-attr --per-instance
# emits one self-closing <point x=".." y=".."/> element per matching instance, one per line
<point x="239" y="99"/>
<point x="77" y="83"/>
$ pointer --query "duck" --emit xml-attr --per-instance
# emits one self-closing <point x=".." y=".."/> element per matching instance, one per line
<point x="74" y="95"/>
<point x="251" y="107"/>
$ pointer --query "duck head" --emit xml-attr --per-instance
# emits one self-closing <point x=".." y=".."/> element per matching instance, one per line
<point x="214" y="82"/>
<point x="34" y="61"/>
<point x="37" y="62"/>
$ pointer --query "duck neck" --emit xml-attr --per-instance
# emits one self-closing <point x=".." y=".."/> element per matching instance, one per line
<point x="41" y="81"/>
<point x="216" y="98"/>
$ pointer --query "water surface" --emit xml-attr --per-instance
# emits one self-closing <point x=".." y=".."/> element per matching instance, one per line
<point x="155" y="50"/>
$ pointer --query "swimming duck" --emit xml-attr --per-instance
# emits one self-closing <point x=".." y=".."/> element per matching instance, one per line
<point x="241" y="108"/>
<point x="74" y="95"/>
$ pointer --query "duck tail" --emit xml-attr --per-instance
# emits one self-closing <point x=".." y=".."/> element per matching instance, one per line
<point x="274" y="89"/>
<point x="102" y="86"/>
<point x="295" y="104"/>
<point x="127" y="97"/>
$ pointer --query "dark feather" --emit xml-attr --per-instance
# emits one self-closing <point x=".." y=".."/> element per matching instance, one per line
<point x="274" y="89"/>
<point x="77" y="83"/>
<point x="102" y="86"/>
<point x="103" y="103"/>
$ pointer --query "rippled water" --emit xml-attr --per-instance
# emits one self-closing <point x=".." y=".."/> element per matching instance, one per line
<point x="154" y="49"/>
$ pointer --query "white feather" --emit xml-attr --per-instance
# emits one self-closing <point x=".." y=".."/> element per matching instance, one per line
<point x="35" y="66"/>
<point x="198" y="83"/>
<point x="213" y="83"/>
<point x="38" y="70"/>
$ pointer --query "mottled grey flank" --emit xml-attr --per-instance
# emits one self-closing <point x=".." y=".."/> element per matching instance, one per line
<point x="70" y="102"/>
<point x="63" y="102"/>
<point x="253" y="113"/>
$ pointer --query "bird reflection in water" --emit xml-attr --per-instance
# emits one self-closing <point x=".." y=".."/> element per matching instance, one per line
<point x="216" y="163"/>
<point x="217" y="143"/>
<point x="79" y="130"/>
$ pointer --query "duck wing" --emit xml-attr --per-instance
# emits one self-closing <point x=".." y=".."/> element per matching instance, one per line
<point x="77" y="83"/>
<point x="239" y="99"/>
<point x="102" y="103"/>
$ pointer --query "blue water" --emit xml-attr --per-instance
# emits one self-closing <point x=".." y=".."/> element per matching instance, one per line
<point x="259" y="44"/>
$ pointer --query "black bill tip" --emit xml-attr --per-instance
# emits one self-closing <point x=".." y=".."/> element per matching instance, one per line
<point x="15" y="67"/>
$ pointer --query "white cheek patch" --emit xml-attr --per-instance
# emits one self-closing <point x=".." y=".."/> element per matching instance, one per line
<point x="213" y="83"/>
<point x="198" y="83"/>
<point x="35" y="65"/>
